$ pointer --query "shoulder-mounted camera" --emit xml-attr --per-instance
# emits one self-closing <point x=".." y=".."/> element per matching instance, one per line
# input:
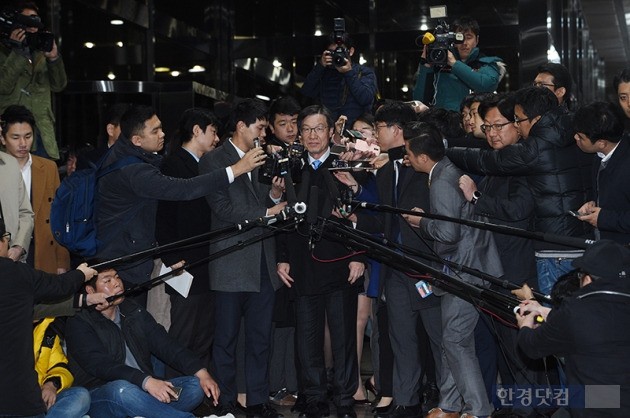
<point x="11" y="20"/>
<point x="441" y="40"/>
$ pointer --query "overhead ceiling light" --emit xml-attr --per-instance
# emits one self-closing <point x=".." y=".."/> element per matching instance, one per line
<point x="162" y="69"/>
<point x="263" y="97"/>
<point x="89" y="45"/>
<point x="424" y="26"/>
<point x="196" y="69"/>
<point x="277" y="63"/>
<point x="318" y="32"/>
<point x="116" y="22"/>
<point x="111" y="75"/>
<point x="405" y="88"/>
<point x="362" y="59"/>
<point x="175" y="73"/>
<point x="120" y="44"/>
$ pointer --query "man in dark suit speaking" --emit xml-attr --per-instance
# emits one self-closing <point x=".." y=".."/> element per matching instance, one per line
<point x="327" y="279"/>
<point x="245" y="280"/>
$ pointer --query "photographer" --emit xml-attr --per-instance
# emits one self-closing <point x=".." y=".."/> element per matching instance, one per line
<point x="31" y="69"/>
<point x="343" y="87"/>
<point x="467" y="70"/>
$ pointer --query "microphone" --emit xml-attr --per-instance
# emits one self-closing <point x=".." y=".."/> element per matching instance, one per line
<point x="428" y="38"/>
<point x="538" y="319"/>
<point x="289" y="211"/>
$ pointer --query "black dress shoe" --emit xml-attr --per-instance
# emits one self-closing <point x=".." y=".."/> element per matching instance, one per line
<point x="383" y="411"/>
<point x="346" y="412"/>
<point x="400" y="411"/>
<point x="227" y="408"/>
<point x="263" y="410"/>
<point x="300" y="404"/>
<point x="316" y="410"/>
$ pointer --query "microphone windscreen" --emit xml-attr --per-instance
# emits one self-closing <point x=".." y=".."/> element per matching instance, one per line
<point x="428" y="38"/>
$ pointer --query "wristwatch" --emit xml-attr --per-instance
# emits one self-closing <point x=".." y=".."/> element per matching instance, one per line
<point x="476" y="195"/>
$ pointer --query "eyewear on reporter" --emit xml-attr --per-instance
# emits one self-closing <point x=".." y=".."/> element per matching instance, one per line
<point x="494" y="127"/>
<point x="541" y="84"/>
<point x="518" y="121"/>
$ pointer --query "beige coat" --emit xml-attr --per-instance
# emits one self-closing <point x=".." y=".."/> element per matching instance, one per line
<point x="49" y="255"/>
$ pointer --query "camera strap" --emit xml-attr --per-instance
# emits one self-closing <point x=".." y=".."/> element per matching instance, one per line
<point x="344" y="97"/>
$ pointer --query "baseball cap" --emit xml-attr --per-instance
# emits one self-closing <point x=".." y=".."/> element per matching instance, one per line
<point x="605" y="259"/>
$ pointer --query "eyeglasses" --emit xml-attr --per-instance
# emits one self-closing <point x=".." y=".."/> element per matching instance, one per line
<point x="318" y="130"/>
<point x="495" y="127"/>
<point x="541" y="84"/>
<point x="518" y="121"/>
<point x="580" y="274"/>
<point x="6" y="235"/>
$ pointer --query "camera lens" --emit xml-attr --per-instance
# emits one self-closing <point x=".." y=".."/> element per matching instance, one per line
<point x="437" y="55"/>
<point x="339" y="60"/>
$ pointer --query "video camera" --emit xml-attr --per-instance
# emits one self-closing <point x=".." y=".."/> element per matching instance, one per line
<point x="341" y="54"/>
<point x="287" y="160"/>
<point x="11" y="20"/>
<point x="442" y="40"/>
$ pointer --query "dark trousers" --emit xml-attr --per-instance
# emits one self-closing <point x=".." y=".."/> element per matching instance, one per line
<point x="192" y="324"/>
<point x="385" y="353"/>
<point x="282" y="371"/>
<point x="486" y="350"/>
<point x="256" y="310"/>
<point x="341" y="308"/>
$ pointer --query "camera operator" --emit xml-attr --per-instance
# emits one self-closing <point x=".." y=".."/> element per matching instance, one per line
<point x="467" y="70"/>
<point x="30" y="74"/>
<point x="343" y="87"/>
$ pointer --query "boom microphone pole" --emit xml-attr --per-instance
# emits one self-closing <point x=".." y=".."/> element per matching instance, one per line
<point x="581" y="243"/>
<point x="298" y="209"/>
<point x="157" y="280"/>
<point x="498" y="303"/>
<point x="505" y="284"/>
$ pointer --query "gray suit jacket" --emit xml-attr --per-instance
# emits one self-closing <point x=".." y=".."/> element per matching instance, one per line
<point x="16" y="206"/>
<point x="243" y="200"/>
<point x="463" y="244"/>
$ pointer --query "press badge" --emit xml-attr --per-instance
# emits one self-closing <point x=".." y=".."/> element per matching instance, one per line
<point x="424" y="289"/>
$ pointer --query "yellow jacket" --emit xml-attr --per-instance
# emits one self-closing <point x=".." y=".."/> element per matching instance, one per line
<point x="50" y="360"/>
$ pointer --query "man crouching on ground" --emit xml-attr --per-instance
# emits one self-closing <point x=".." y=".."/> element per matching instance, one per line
<point x="110" y="354"/>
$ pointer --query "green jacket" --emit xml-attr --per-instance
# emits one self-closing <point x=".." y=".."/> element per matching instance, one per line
<point x="479" y="74"/>
<point x="30" y="84"/>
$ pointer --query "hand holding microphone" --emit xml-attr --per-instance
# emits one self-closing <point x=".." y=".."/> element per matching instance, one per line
<point x="530" y="314"/>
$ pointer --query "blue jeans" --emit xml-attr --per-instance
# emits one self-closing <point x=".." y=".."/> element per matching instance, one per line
<point x="549" y="269"/>
<point x="71" y="403"/>
<point x="121" y="399"/>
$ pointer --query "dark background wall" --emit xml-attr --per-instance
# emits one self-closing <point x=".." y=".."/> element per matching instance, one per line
<point x="266" y="47"/>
